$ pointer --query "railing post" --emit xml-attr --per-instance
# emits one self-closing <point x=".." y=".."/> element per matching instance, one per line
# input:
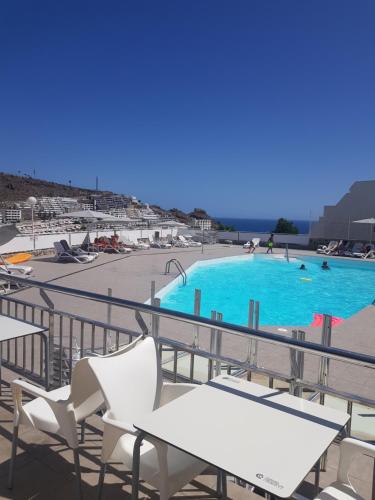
<point x="212" y="346"/>
<point x="297" y="365"/>
<point x="108" y="338"/>
<point x="250" y="347"/>
<point x="153" y="317"/>
<point x="324" y="362"/>
<point x="49" y="353"/>
<point x="197" y="312"/>
<point x="156" y="319"/>
<point x="324" y="369"/>
<point x="293" y="366"/>
<point x="218" y="346"/>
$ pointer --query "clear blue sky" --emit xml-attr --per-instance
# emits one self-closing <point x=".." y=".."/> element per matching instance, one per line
<point x="246" y="108"/>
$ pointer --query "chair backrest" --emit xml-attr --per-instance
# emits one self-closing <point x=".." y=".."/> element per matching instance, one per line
<point x="58" y="247"/>
<point x="130" y="382"/>
<point x="256" y="241"/>
<point x="85" y="393"/>
<point x="65" y="245"/>
<point x="357" y="247"/>
<point x="349" y="449"/>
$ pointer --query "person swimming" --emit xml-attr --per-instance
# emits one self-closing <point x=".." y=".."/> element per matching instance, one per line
<point x="325" y="266"/>
<point x="303" y="267"/>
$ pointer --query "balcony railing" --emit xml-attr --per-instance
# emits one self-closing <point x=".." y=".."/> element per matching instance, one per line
<point x="204" y="349"/>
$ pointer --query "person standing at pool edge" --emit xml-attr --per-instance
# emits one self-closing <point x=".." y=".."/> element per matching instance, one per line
<point x="270" y="244"/>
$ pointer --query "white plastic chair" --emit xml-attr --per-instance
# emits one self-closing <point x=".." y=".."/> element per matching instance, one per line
<point x="342" y="489"/>
<point x="132" y="386"/>
<point x="61" y="410"/>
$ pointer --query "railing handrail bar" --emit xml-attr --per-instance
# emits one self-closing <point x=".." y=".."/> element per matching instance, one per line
<point x="240" y="331"/>
<point x="76" y="317"/>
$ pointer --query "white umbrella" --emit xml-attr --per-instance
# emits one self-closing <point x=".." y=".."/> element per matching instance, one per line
<point x="370" y="221"/>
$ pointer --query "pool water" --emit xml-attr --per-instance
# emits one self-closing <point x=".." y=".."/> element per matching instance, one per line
<point x="287" y="295"/>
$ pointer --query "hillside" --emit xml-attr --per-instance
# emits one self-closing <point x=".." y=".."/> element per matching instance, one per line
<point x="18" y="188"/>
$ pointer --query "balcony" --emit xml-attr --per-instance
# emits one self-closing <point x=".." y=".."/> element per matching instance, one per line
<point x="192" y="349"/>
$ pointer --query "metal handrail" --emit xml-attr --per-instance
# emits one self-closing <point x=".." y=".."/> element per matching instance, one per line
<point x="179" y="267"/>
<point x="237" y="330"/>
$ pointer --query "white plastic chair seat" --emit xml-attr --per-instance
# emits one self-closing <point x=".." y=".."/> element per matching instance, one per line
<point x="338" y="491"/>
<point x="40" y="412"/>
<point x="181" y="466"/>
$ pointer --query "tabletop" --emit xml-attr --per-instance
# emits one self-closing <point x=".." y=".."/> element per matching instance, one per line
<point x="266" y="437"/>
<point x="11" y="328"/>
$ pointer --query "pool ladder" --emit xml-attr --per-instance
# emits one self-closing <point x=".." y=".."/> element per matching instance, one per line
<point x="179" y="267"/>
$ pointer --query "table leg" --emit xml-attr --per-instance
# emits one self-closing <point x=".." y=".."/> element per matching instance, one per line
<point x="224" y="483"/>
<point x="219" y="484"/>
<point x="1" y="360"/>
<point x="136" y="465"/>
<point x="317" y="476"/>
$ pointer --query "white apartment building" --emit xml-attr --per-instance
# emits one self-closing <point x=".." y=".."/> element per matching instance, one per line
<point x="205" y="224"/>
<point x="338" y="221"/>
<point x="13" y="215"/>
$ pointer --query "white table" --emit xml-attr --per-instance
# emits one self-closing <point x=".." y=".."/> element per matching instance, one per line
<point x="11" y="328"/>
<point x="263" y="436"/>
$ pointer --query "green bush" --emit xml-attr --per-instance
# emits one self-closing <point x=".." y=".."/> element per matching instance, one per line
<point x="285" y="226"/>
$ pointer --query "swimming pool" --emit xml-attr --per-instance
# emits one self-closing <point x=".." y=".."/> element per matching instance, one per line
<point x="287" y="295"/>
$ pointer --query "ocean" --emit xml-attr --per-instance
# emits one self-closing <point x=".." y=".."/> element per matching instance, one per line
<point x="261" y="225"/>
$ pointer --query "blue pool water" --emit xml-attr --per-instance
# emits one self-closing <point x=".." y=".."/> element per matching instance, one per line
<point x="227" y="285"/>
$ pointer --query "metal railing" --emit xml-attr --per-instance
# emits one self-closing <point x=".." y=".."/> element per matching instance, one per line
<point x="326" y="352"/>
<point x="73" y="336"/>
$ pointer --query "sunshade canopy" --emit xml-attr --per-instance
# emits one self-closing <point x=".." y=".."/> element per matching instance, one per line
<point x="87" y="214"/>
<point x="371" y="220"/>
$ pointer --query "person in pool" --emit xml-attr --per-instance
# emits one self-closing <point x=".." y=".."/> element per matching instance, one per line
<point x="303" y="267"/>
<point x="325" y="266"/>
<point x="270" y="244"/>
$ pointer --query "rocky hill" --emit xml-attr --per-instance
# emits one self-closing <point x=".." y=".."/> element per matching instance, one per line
<point x="17" y="188"/>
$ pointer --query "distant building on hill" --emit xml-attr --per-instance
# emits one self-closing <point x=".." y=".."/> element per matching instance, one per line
<point x="205" y="224"/>
<point x="12" y="215"/>
<point x="337" y="221"/>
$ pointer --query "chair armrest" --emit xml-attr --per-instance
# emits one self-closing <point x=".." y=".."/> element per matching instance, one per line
<point x="170" y="391"/>
<point x="120" y="425"/>
<point x="20" y="385"/>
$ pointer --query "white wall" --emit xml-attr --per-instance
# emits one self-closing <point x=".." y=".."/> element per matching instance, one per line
<point x="23" y="243"/>
<point x="337" y="221"/>
<point x="241" y="236"/>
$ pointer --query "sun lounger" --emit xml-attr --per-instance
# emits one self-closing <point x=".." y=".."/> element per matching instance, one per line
<point x="15" y="268"/>
<point x="189" y="241"/>
<point x="326" y="249"/>
<point x="370" y="252"/>
<point x="76" y="251"/>
<point x="334" y="249"/>
<point x="358" y="250"/>
<point x="142" y="245"/>
<point x="63" y="255"/>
